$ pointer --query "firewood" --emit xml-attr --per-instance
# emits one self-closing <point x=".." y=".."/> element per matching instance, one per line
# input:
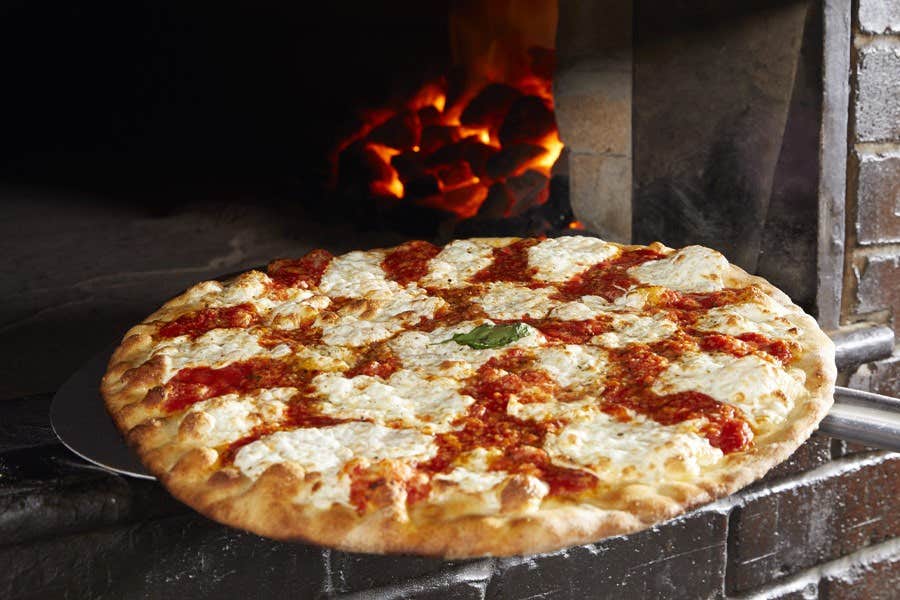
<point x="512" y="159"/>
<point x="402" y="131"/>
<point x="436" y="136"/>
<point x="528" y="190"/>
<point x="497" y="202"/>
<point x="489" y="107"/>
<point x="529" y="120"/>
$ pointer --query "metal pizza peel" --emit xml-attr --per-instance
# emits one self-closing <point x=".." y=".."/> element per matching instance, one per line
<point x="79" y="419"/>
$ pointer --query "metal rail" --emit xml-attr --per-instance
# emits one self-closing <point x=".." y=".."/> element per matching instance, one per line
<point x="864" y="417"/>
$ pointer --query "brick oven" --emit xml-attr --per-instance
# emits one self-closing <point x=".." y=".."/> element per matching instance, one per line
<point x="767" y="129"/>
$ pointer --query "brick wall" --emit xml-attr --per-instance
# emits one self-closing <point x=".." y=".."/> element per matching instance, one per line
<point x="872" y="286"/>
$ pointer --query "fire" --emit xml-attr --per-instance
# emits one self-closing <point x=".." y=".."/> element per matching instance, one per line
<point x="392" y="186"/>
<point x="488" y="150"/>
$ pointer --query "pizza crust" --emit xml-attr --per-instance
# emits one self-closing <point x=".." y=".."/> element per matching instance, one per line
<point x="526" y="521"/>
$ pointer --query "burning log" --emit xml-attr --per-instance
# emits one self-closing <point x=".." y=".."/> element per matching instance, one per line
<point x="490" y="106"/>
<point x="529" y="120"/>
<point x="409" y="166"/>
<point x="470" y="150"/>
<point x="360" y="163"/>
<point x="402" y="131"/>
<point x="477" y="155"/>
<point x="435" y="136"/>
<point x="429" y="115"/>
<point x="497" y="202"/>
<point x="455" y="174"/>
<point x="464" y="201"/>
<point x="512" y="159"/>
<point x="421" y="186"/>
<point x="527" y="190"/>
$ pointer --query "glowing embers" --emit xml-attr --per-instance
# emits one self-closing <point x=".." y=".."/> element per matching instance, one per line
<point x="487" y="151"/>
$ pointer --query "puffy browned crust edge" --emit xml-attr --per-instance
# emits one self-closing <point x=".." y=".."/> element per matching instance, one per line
<point x="191" y="474"/>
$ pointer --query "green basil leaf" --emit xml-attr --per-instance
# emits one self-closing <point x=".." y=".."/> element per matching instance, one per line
<point x="491" y="336"/>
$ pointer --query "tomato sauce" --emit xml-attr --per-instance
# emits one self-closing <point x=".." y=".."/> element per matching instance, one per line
<point x="460" y="307"/>
<point x="363" y="483"/>
<point x="571" y="332"/>
<point x="227" y="456"/>
<point x="487" y="424"/>
<point x="635" y="368"/>
<point x="747" y="343"/>
<point x="207" y="319"/>
<point x="686" y="308"/>
<point x="780" y="349"/>
<point x="510" y="263"/>
<point x="302" y="412"/>
<point x="305" y="335"/>
<point x="302" y="272"/>
<point x="195" y="384"/>
<point x="609" y="279"/>
<point x="409" y="262"/>
<point x="377" y="362"/>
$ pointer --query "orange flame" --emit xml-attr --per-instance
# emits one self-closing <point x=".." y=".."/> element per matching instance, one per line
<point x="393" y="186"/>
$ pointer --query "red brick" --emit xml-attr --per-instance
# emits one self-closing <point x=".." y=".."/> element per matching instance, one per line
<point x="877" y="279"/>
<point x="873" y="581"/>
<point x="681" y="558"/>
<point x="828" y="515"/>
<point x="878" y="199"/>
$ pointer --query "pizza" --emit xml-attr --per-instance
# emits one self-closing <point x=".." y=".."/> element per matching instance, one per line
<point x="493" y="396"/>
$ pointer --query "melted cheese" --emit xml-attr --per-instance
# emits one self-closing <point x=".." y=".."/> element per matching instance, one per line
<point x="403" y="309"/>
<point x="573" y="365"/>
<point x="542" y="411"/>
<point x="691" y="269"/>
<point x="639" y="449"/>
<point x="255" y="288"/>
<point x="761" y="388"/>
<point x="215" y="348"/>
<point x="429" y="404"/>
<point x="505" y="300"/>
<point x="762" y="316"/>
<point x="234" y="416"/>
<point x="585" y="308"/>
<point x="456" y="262"/>
<point x="304" y="305"/>
<point x="562" y="258"/>
<point x="431" y="353"/>
<point x="245" y="288"/>
<point x="472" y="474"/>
<point x="326" y="450"/>
<point x="629" y="328"/>
<point x="357" y="275"/>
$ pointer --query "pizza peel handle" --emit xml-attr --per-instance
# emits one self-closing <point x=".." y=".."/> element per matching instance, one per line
<point x="864" y="417"/>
